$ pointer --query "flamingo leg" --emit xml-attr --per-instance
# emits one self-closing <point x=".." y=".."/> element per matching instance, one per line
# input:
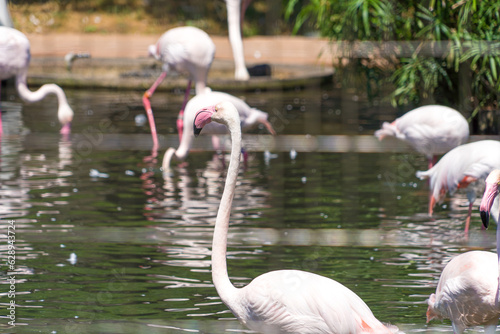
<point x="149" y="111"/>
<point x="180" y="117"/>
<point x="467" y="221"/>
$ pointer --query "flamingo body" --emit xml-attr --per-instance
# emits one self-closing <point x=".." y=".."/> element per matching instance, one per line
<point x="181" y="49"/>
<point x="14" y="62"/>
<point x="249" y="118"/>
<point x="283" y="301"/>
<point x="430" y="130"/>
<point x="460" y="167"/>
<point x="466" y="292"/>
<point x="185" y="49"/>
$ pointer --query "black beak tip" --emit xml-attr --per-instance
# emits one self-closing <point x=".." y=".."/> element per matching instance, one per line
<point x="196" y="131"/>
<point x="485" y="217"/>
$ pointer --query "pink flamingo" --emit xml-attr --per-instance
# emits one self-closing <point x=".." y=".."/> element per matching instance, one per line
<point x="281" y="301"/>
<point x="235" y="14"/>
<point x="14" y="62"/>
<point x="468" y="289"/>
<point x="430" y="130"/>
<point x="459" y="168"/>
<point x="182" y="49"/>
<point x="249" y="118"/>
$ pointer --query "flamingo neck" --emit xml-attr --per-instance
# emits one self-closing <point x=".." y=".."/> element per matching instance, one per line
<point x="41" y="93"/>
<point x="220" y="277"/>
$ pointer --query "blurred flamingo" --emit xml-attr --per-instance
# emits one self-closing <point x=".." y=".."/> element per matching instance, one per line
<point x="281" y="301"/>
<point x="430" y="130"/>
<point x="459" y="168"/>
<point x="182" y="49"/>
<point x="235" y="14"/>
<point x="468" y="289"/>
<point x="14" y="62"/>
<point x="249" y="117"/>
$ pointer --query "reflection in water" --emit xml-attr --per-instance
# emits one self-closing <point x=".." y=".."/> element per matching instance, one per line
<point x="142" y="243"/>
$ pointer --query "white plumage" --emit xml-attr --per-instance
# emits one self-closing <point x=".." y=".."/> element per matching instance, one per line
<point x="430" y="130"/>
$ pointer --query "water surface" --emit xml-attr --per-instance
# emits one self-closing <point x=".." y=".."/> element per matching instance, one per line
<point x="106" y="244"/>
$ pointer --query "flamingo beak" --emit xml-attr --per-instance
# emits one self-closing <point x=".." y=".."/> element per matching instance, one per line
<point x="202" y="118"/>
<point x="490" y="193"/>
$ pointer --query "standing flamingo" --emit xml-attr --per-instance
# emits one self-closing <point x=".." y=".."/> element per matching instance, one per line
<point x="14" y="61"/>
<point x="430" y="130"/>
<point x="182" y="49"/>
<point x="249" y="118"/>
<point x="468" y="289"/>
<point x="281" y="301"/>
<point x="235" y="14"/>
<point x="460" y="167"/>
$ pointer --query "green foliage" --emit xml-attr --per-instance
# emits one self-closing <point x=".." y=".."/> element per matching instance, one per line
<point x="469" y="28"/>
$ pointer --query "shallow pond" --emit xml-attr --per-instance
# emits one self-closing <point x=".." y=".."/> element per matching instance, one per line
<point x="105" y="244"/>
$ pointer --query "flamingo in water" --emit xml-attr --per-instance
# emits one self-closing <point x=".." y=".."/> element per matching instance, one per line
<point x="249" y="118"/>
<point x="468" y="289"/>
<point x="281" y="301"/>
<point x="430" y="130"/>
<point x="182" y="49"/>
<point x="459" y="168"/>
<point x="14" y="62"/>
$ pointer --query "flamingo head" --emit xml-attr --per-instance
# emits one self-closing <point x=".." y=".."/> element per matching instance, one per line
<point x="491" y="191"/>
<point x="224" y="113"/>
<point x="65" y="116"/>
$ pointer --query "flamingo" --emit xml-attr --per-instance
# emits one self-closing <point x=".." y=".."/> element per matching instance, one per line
<point x="281" y="301"/>
<point x="430" y="130"/>
<point x="468" y="289"/>
<point x="235" y="13"/>
<point x="183" y="49"/>
<point x="14" y="61"/>
<point x="249" y="118"/>
<point x="488" y="200"/>
<point x="459" y="168"/>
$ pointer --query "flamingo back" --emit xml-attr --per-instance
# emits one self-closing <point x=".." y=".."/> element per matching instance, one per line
<point x="293" y="301"/>
<point x="475" y="160"/>
<point x="14" y="53"/>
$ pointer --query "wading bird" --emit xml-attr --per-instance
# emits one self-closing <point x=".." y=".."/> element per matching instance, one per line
<point x="182" y="49"/>
<point x="430" y="130"/>
<point x="249" y="117"/>
<point x="468" y="289"/>
<point x="281" y="301"/>
<point x="459" y="168"/>
<point x="14" y="62"/>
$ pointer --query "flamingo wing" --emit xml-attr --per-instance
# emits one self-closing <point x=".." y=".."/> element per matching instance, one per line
<point x="292" y="301"/>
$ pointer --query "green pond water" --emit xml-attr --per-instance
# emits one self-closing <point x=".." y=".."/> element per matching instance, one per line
<point x="105" y="244"/>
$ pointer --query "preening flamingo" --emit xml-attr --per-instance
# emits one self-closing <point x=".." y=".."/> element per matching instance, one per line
<point x="181" y="49"/>
<point x="14" y="62"/>
<point x="468" y="289"/>
<point x="430" y="130"/>
<point x="460" y="167"/>
<point x="249" y="117"/>
<point x="235" y="14"/>
<point x="282" y="301"/>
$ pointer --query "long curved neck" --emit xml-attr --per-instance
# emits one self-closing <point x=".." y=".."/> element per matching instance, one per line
<point x="219" y="266"/>
<point x="38" y="95"/>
